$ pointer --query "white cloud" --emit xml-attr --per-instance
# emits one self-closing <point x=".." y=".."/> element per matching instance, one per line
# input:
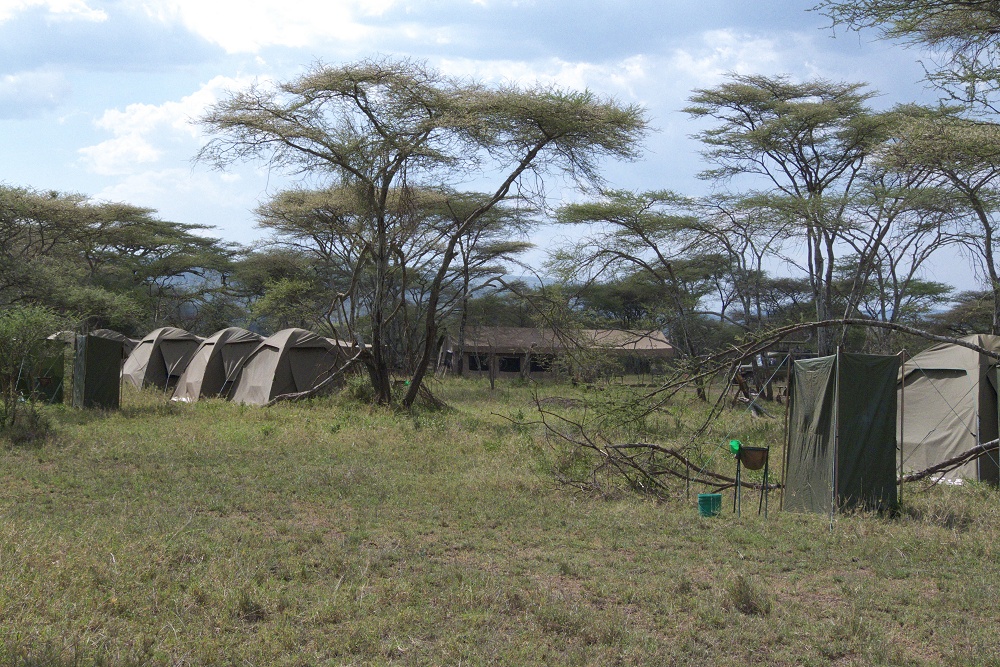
<point x="57" y="9"/>
<point x="723" y="51"/>
<point x="619" y="76"/>
<point x="138" y="128"/>
<point x="670" y="75"/>
<point x="249" y="25"/>
<point x="120" y="155"/>
<point x="221" y="200"/>
<point x="25" y="93"/>
<point x="157" y="186"/>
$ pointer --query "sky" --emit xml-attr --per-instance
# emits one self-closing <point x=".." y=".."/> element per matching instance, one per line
<point x="99" y="98"/>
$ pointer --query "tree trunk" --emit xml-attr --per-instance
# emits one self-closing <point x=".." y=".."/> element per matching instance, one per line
<point x="459" y="351"/>
<point x="431" y="330"/>
<point x="379" y="371"/>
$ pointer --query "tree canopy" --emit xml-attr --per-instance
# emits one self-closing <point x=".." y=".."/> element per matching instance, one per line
<point x="387" y="129"/>
<point x="963" y="35"/>
<point x="111" y="264"/>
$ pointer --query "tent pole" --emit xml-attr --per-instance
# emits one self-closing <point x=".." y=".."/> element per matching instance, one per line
<point x="902" y="422"/>
<point x="739" y="490"/>
<point x="836" y="436"/>
<point x="788" y="412"/>
<point x="763" y="489"/>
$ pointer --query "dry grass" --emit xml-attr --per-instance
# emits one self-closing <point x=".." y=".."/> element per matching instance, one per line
<point x="334" y="533"/>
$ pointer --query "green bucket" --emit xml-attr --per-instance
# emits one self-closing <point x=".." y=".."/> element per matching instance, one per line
<point x="709" y="504"/>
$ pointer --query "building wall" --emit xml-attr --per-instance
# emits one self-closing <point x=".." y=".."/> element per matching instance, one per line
<point x="510" y="364"/>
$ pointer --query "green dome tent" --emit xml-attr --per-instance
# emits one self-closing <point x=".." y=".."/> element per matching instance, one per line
<point x="160" y="358"/>
<point x="288" y="362"/>
<point x="215" y="364"/>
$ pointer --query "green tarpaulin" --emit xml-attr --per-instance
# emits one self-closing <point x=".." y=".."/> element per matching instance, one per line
<point x="97" y="373"/>
<point x="842" y="433"/>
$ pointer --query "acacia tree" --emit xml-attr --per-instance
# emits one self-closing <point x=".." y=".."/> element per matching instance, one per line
<point x="382" y="127"/>
<point x="639" y="232"/>
<point x="963" y="36"/>
<point x="902" y="219"/>
<point x="326" y="226"/>
<point x="332" y="228"/>
<point x="962" y="155"/>
<point x="483" y="252"/>
<point x="745" y="232"/>
<point x="807" y="144"/>
<point x="111" y="263"/>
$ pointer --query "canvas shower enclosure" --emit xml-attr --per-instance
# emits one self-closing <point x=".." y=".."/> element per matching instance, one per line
<point x="841" y="447"/>
<point x="96" y="372"/>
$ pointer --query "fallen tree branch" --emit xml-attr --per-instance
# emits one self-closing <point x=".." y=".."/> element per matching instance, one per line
<point x="430" y="399"/>
<point x="641" y="465"/>
<point x="728" y="482"/>
<point x="954" y="462"/>
<point x="356" y="360"/>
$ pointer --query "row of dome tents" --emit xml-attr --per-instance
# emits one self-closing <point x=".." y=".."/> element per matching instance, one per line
<point x="233" y="363"/>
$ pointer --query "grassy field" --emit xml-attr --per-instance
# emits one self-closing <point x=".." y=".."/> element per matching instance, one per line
<point x="330" y="532"/>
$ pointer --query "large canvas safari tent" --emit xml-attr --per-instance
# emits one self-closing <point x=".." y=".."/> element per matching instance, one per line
<point x="948" y="398"/>
<point x="288" y="362"/>
<point x="160" y="358"/>
<point x="841" y="449"/>
<point x="216" y="363"/>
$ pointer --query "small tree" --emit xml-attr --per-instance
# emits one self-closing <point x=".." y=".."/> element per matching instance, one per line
<point x="804" y="146"/>
<point x="23" y="331"/>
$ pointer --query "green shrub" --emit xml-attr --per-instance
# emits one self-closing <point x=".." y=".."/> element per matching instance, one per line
<point x="30" y="426"/>
<point x="23" y="332"/>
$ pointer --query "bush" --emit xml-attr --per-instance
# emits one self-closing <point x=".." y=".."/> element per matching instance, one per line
<point x="23" y="331"/>
<point x="30" y="426"/>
